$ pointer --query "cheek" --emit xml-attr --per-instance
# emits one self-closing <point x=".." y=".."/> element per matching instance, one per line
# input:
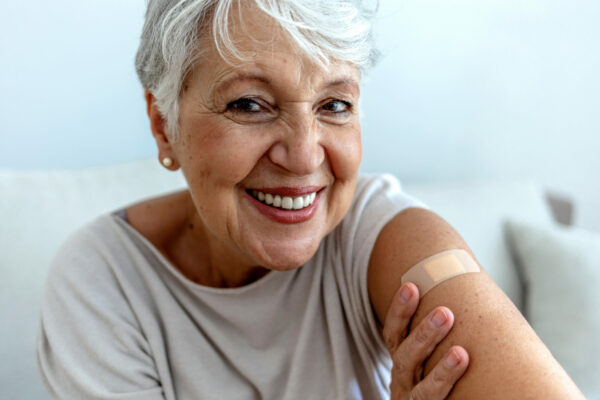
<point x="345" y="153"/>
<point x="212" y="151"/>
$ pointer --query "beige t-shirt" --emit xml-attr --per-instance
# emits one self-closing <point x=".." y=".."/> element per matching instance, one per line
<point x="120" y="322"/>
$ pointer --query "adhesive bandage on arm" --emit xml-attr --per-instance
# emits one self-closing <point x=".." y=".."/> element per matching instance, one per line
<point x="438" y="268"/>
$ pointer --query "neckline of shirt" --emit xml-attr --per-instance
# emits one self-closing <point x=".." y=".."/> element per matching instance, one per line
<point x="133" y="234"/>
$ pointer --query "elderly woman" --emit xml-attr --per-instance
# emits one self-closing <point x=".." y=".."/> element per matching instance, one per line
<point x="278" y="273"/>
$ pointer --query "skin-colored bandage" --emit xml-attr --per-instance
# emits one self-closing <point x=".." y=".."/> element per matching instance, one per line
<point x="438" y="268"/>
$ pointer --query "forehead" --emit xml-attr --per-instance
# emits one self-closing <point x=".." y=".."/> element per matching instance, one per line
<point x="266" y="51"/>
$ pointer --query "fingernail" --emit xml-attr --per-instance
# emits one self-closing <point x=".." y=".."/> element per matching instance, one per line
<point x="452" y="360"/>
<point x="405" y="294"/>
<point x="438" y="318"/>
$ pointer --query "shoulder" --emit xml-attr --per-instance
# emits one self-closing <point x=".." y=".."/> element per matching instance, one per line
<point x="87" y="305"/>
<point x="90" y="243"/>
<point x="377" y="199"/>
<point x="87" y="264"/>
<point x="162" y="218"/>
<point x="381" y="189"/>
<point x="411" y="236"/>
<point x="103" y="260"/>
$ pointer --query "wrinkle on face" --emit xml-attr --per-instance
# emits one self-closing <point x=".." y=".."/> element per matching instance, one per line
<point x="223" y="157"/>
<point x="307" y="78"/>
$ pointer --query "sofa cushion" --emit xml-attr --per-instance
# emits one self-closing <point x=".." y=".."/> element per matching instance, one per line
<point x="561" y="269"/>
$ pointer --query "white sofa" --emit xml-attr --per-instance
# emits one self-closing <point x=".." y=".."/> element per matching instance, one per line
<point x="39" y="209"/>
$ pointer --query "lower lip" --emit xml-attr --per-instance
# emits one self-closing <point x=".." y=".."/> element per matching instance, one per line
<point x="286" y="216"/>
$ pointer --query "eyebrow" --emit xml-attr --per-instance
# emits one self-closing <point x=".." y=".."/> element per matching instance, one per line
<point x="240" y="77"/>
<point x="344" y="81"/>
<point x="245" y="76"/>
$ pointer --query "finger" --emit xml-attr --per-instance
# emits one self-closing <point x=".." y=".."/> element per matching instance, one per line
<point x="404" y="304"/>
<point x="418" y="346"/>
<point x="442" y="378"/>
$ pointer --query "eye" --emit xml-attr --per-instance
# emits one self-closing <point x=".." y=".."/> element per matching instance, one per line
<point x="337" y="107"/>
<point x="247" y="110"/>
<point x="244" y="105"/>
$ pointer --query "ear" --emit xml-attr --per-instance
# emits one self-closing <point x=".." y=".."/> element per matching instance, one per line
<point x="160" y="131"/>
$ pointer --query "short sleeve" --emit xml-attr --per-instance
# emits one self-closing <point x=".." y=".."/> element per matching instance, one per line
<point x="377" y="200"/>
<point x="90" y="345"/>
<point x="380" y="199"/>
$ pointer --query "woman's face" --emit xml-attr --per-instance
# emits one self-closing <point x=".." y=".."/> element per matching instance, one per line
<point x="266" y="135"/>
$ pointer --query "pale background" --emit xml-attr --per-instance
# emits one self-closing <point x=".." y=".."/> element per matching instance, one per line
<point x="467" y="90"/>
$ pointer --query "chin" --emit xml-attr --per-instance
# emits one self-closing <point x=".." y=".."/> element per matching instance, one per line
<point x="284" y="258"/>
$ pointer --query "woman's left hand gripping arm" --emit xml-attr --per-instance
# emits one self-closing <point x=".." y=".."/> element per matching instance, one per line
<point x="410" y="350"/>
<point x="505" y="357"/>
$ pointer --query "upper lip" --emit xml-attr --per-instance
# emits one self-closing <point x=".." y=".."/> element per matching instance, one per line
<point x="289" y="191"/>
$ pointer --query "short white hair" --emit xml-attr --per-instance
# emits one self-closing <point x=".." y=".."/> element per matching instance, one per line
<point x="323" y="29"/>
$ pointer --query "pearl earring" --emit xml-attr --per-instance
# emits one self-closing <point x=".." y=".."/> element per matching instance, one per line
<point x="167" y="162"/>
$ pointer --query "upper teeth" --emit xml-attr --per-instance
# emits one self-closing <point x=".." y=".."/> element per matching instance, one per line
<point x="285" y="202"/>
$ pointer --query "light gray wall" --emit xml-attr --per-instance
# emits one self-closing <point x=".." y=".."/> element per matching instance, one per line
<point x="501" y="89"/>
<point x="70" y="95"/>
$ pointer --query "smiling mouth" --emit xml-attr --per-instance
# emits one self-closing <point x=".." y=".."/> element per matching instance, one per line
<point x="284" y="202"/>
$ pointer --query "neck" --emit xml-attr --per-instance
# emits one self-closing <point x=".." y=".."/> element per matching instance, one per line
<point x="208" y="261"/>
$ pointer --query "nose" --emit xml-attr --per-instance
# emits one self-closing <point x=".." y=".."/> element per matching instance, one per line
<point x="299" y="149"/>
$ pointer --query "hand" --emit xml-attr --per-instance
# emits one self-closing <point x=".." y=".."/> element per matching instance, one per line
<point x="409" y="353"/>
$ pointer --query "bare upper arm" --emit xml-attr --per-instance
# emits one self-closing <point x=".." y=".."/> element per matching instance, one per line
<point x="507" y="359"/>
